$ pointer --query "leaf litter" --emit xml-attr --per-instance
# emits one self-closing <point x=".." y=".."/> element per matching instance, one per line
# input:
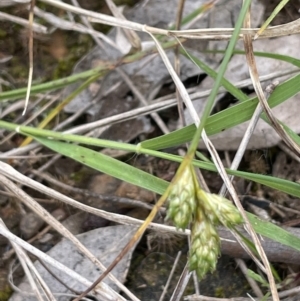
<point x="148" y="79"/>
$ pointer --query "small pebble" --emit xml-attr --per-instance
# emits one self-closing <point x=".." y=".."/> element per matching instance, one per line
<point x="46" y="238"/>
<point x="30" y="225"/>
<point x="59" y="214"/>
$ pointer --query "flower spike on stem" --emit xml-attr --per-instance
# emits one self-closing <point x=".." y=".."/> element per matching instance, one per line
<point x="218" y="209"/>
<point x="205" y="245"/>
<point x="182" y="197"/>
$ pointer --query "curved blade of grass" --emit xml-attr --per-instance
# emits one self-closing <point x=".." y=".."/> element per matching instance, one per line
<point x="228" y="118"/>
<point x="106" y="164"/>
<point x="140" y="178"/>
<point x="286" y="186"/>
<point x="289" y="187"/>
<point x="268" y="229"/>
<point x="236" y="92"/>
<point x="231" y="117"/>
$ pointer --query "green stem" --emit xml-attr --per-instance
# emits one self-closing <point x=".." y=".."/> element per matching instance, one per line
<point x="279" y="184"/>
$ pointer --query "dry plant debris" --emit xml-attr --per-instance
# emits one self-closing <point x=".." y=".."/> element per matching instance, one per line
<point x="108" y="97"/>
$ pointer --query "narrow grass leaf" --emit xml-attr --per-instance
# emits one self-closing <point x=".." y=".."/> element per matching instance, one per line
<point x="286" y="186"/>
<point x="228" y="118"/>
<point x="274" y="232"/>
<point x="236" y="92"/>
<point x="140" y="178"/>
<point x="106" y="164"/>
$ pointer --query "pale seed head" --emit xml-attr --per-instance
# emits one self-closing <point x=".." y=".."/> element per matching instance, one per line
<point x="218" y="209"/>
<point x="205" y="246"/>
<point x="182" y="202"/>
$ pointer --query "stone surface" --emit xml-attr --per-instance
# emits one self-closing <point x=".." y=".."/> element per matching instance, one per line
<point x="104" y="243"/>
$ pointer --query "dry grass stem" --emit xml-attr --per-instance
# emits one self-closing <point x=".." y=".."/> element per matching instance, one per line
<point x="213" y="34"/>
<point x="130" y="29"/>
<point x="103" y="290"/>
<point x="181" y="284"/>
<point x="20" y="150"/>
<point x="29" y="268"/>
<point x="253" y="284"/>
<point x="132" y="36"/>
<point x="159" y="104"/>
<point x="243" y="145"/>
<point x="179" y="85"/>
<point x="11" y="173"/>
<point x="261" y="96"/>
<point x="170" y="277"/>
<point x="23" y="22"/>
<point x="135" y="43"/>
<point x="258" y="89"/>
<point x="177" y="62"/>
<point x="68" y="25"/>
<point x="9" y="253"/>
<point x="45" y="215"/>
<point x="246" y="138"/>
<point x="30" y="50"/>
<point x="33" y="116"/>
<point x="290" y="153"/>
<point x="39" y="280"/>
